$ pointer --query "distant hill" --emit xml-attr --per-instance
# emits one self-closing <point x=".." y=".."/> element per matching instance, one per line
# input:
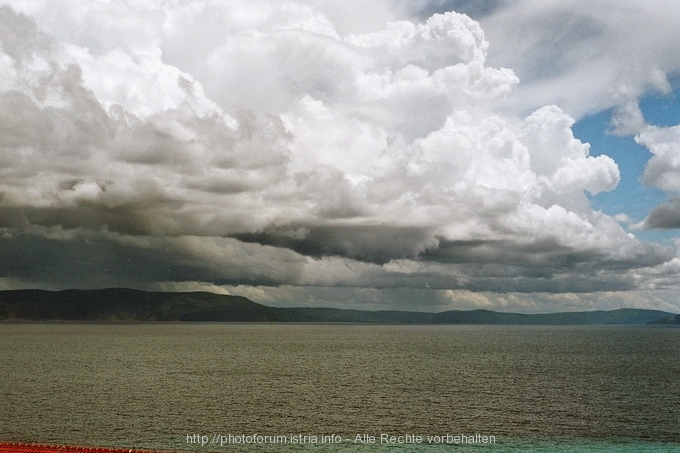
<point x="130" y="305"/>
<point x="667" y="320"/>
<point x="118" y="304"/>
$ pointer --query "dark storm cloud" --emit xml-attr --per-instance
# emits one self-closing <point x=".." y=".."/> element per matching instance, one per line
<point x="544" y="266"/>
<point x="475" y="265"/>
<point x="134" y="218"/>
<point x="567" y="284"/>
<point x="94" y="261"/>
<point x="542" y="257"/>
<point x="77" y="262"/>
<point x="664" y="216"/>
<point x="380" y="245"/>
<point x="376" y="244"/>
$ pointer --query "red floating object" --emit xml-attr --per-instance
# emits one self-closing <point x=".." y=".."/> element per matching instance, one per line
<point x="13" y="447"/>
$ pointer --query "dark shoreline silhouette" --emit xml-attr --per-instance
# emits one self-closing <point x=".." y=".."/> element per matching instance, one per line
<point x="120" y="304"/>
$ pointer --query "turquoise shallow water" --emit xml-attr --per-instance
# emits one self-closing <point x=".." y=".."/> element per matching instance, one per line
<point x="155" y="386"/>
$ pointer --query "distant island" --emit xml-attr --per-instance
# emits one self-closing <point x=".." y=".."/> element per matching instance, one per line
<point x="119" y="304"/>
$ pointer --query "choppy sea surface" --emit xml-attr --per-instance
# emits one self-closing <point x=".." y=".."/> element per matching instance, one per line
<point x="347" y="388"/>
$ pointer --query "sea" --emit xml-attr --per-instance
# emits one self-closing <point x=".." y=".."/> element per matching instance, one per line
<point x="220" y="387"/>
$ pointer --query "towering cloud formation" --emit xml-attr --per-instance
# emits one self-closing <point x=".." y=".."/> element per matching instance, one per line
<point x="256" y="143"/>
<point x="663" y="171"/>
<point x="586" y="57"/>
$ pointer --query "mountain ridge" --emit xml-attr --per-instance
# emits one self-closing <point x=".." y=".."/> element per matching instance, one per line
<point x="122" y="304"/>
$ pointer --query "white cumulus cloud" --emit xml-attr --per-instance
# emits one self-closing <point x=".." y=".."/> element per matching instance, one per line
<point x="273" y="143"/>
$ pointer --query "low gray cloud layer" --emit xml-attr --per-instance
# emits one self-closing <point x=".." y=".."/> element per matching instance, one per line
<point x="200" y="144"/>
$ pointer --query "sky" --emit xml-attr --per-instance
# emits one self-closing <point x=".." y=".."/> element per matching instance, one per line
<point x="429" y="155"/>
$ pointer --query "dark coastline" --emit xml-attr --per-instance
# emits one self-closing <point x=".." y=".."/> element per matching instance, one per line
<point x="127" y="305"/>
